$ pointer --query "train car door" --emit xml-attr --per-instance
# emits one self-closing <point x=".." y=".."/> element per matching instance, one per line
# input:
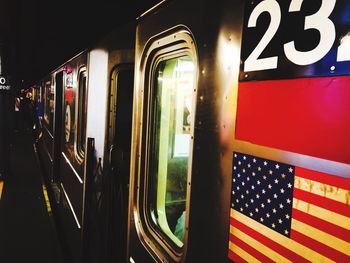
<point x="161" y="175"/>
<point x="119" y="141"/>
<point x="179" y="187"/>
<point x="72" y="153"/>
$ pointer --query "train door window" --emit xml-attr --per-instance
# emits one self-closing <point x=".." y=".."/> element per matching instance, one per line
<point x="82" y="112"/>
<point x="170" y="147"/>
<point x="121" y="106"/>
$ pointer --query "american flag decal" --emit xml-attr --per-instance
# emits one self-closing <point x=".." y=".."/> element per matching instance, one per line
<point x="283" y="213"/>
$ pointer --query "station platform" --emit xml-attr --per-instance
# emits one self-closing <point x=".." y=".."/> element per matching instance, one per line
<point x="27" y="226"/>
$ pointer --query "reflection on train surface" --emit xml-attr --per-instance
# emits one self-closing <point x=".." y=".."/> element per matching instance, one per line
<point x="205" y="132"/>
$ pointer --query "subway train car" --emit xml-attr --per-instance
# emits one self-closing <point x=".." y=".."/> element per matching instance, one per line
<point x="218" y="134"/>
<point x="91" y="78"/>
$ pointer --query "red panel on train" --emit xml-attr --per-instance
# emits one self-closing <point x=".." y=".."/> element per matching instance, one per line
<point x="310" y="116"/>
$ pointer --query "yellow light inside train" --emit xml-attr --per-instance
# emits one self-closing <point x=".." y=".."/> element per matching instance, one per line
<point x="172" y="145"/>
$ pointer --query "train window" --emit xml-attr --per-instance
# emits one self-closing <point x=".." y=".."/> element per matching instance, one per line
<point x="82" y="112"/>
<point x="170" y="145"/>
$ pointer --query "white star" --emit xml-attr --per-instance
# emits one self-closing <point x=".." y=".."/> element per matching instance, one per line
<point x="265" y="163"/>
<point x="246" y="205"/>
<point x="269" y="186"/>
<point x="251" y="200"/>
<point x="253" y="187"/>
<point x="241" y="209"/>
<point x="256" y="210"/>
<point x="264" y="177"/>
<point x="288" y="201"/>
<point x="290" y="169"/>
<point x="275" y="196"/>
<point x="253" y="174"/>
<point x="251" y="214"/>
<point x="254" y="160"/>
<point x="235" y="155"/>
<point x="243" y="170"/>
<point x="273" y="225"/>
<point x="261" y="219"/>
<point x="242" y="196"/>
<point x="238" y="175"/>
<point x="244" y="157"/>
<point x="234" y="167"/>
<point x="283" y="175"/>
<point x="274" y="211"/>
<point x="280" y="221"/>
<point x="238" y="188"/>
<point x="233" y="192"/>
<point x="268" y="215"/>
<point x="237" y="201"/>
<point x="257" y="196"/>
<point x="276" y="181"/>
<point x="282" y="190"/>
<point x="286" y="232"/>
<point x="259" y="168"/>
<point x="289" y="185"/>
<point x="248" y="165"/>
<point x="263" y="191"/>
<point x="269" y="200"/>
<point x="248" y="179"/>
<point x="270" y="172"/>
<point x="243" y="183"/>
<point x="262" y="205"/>
<point x="234" y="180"/>
<point x="287" y="216"/>
<point x="277" y="166"/>
<point x="281" y="206"/>
<point x="239" y="162"/>
<point x="258" y="182"/>
<point x="247" y="191"/>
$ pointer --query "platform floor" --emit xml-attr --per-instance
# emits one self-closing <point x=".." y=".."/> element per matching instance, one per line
<point x="27" y="229"/>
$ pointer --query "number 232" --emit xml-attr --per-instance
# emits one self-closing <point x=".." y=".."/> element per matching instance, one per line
<point x="319" y="21"/>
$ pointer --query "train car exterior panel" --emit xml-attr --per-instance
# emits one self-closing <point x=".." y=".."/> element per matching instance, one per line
<point x="208" y="118"/>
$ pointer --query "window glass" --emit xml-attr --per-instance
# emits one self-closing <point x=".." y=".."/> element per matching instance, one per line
<point x="170" y="145"/>
<point x="82" y="112"/>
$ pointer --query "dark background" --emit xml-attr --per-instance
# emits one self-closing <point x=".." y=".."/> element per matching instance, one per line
<point x="39" y="35"/>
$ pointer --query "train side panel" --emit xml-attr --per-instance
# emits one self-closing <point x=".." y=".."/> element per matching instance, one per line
<point x="252" y="166"/>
